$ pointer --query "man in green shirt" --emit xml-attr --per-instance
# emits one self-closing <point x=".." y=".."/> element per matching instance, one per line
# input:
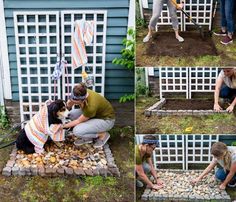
<point x="144" y="165"/>
<point x="94" y="117"/>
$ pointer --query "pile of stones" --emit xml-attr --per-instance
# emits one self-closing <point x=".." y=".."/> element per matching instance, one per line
<point x="63" y="159"/>
<point x="178" y="187"/>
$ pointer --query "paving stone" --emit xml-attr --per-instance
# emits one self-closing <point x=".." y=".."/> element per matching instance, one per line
<point x="96" y="171"/>
<point x="111" y="165"/>
<point x="6" y="171"/>
<point x="41" y="171"/>
<point x="147" y="113"/>
<point x="88" y="172"/>
<point x="34" y="170"/>
<point x="15" y="170"/>
<point x="103" y="172"/>
<point x="10" y="163"/>
<point x="144" y="197"/>
<point x="61" y="171"/>
<point x="69" y="171"/>
<point x="22" y="171"/>
<point x="27" y="171"/>
<point x="79" y="171"/>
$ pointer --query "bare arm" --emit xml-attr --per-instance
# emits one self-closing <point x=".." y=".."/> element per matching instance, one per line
<point x="230" y="175"/>
<point x="81" y="119"/>
<point x="206" y="171"/>
<point x="142" y="175"/>
<point x="153" y="171"/>
<point x="219" y="83"/>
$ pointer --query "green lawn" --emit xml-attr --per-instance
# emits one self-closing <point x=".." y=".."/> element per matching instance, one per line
<point x="74" y="189"/>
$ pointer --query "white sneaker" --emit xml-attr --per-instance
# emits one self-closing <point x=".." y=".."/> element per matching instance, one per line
<point x="147" y="38"/>
<point x="180" y="39"/>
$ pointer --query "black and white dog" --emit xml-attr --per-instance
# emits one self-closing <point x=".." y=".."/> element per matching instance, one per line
<point x="56" y="113"/>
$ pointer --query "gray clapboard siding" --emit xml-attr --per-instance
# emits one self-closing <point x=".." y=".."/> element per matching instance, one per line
<point x="118" y="80"/>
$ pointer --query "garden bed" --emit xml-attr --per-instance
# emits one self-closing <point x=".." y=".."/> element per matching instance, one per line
<point x="65" y="159"/>
<point x="181" y="107"/>
<point x="178" y="187"/>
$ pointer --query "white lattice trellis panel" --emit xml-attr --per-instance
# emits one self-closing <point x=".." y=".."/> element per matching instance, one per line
<point x="198" y="148"/>
<point x="170" y="150"/>
<point x="165" y="19"/>
<point x="202" y="79"/>
<point x="95" y="51"/>
<point x="37" y="47"/>
<point x="173" y="80"/>
<point x="200" y="11"/>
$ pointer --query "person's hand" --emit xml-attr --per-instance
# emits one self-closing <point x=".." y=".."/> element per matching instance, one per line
<point x="222" y="186"/>
<point x="230" y="108"/>
<point x="217" y="107"/>
<point x="159" y="182"/>
<point x="69" y="104"/>
<point x="196" y="180"/>
<point x="180" y="6"/>
<point x="157" y="187"/>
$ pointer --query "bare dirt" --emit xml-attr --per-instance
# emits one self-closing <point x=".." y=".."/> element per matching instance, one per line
<point x="191" y="104"/>
<point x="165" y="44"/>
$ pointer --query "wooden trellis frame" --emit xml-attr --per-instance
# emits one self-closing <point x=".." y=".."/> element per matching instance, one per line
<point x="202" y="79"/>
<point x="190" y="80"/>
<point x="174" y="80"/>
<point x="96" y="52"/>
<point x="37" y="48"/>
<point x="198" y="148"/>
<point x="182" y="149"/>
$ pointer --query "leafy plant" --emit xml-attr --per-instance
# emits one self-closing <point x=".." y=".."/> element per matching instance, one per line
<point x="127" y="53"/>
<point x="141" y="90"/>
<point x="127" y="59"/>
<point x="4" y="123"/>
<point x="233" y="143"/>
<point x="141" y="22"/>
<point x="126" y="98"/>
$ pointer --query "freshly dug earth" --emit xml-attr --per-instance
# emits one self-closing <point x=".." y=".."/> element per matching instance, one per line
<point x="165" y="44"/>
<point x="188" y="104"/>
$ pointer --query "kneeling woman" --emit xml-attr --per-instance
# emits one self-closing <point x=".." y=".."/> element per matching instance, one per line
<point x="94" y="117"/>
<point x="143" y="156"/>
<point x="226" y="157"/>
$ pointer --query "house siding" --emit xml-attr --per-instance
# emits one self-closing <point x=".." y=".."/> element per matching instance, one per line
<point x="118" y="80"/>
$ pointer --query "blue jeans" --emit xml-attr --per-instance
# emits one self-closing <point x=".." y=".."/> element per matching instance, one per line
<point x="226" y="92"/>
<point x="221" y="174"/>
<point x="227" y="14"/>
<point x="146" y="168"/>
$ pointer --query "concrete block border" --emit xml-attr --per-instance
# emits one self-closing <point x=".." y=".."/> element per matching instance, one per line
<point x="190" y="196"/>
<point x="109" y="168"/>
<point x="157" y="110"/>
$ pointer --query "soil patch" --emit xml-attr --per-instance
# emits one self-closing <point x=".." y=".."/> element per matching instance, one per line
<point x="188" y="104"/>
<point x="165" y="44"/>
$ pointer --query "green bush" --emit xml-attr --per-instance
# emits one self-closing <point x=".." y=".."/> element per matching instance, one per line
<point x="127" y="59"/>
<point x="142" y="90"/>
